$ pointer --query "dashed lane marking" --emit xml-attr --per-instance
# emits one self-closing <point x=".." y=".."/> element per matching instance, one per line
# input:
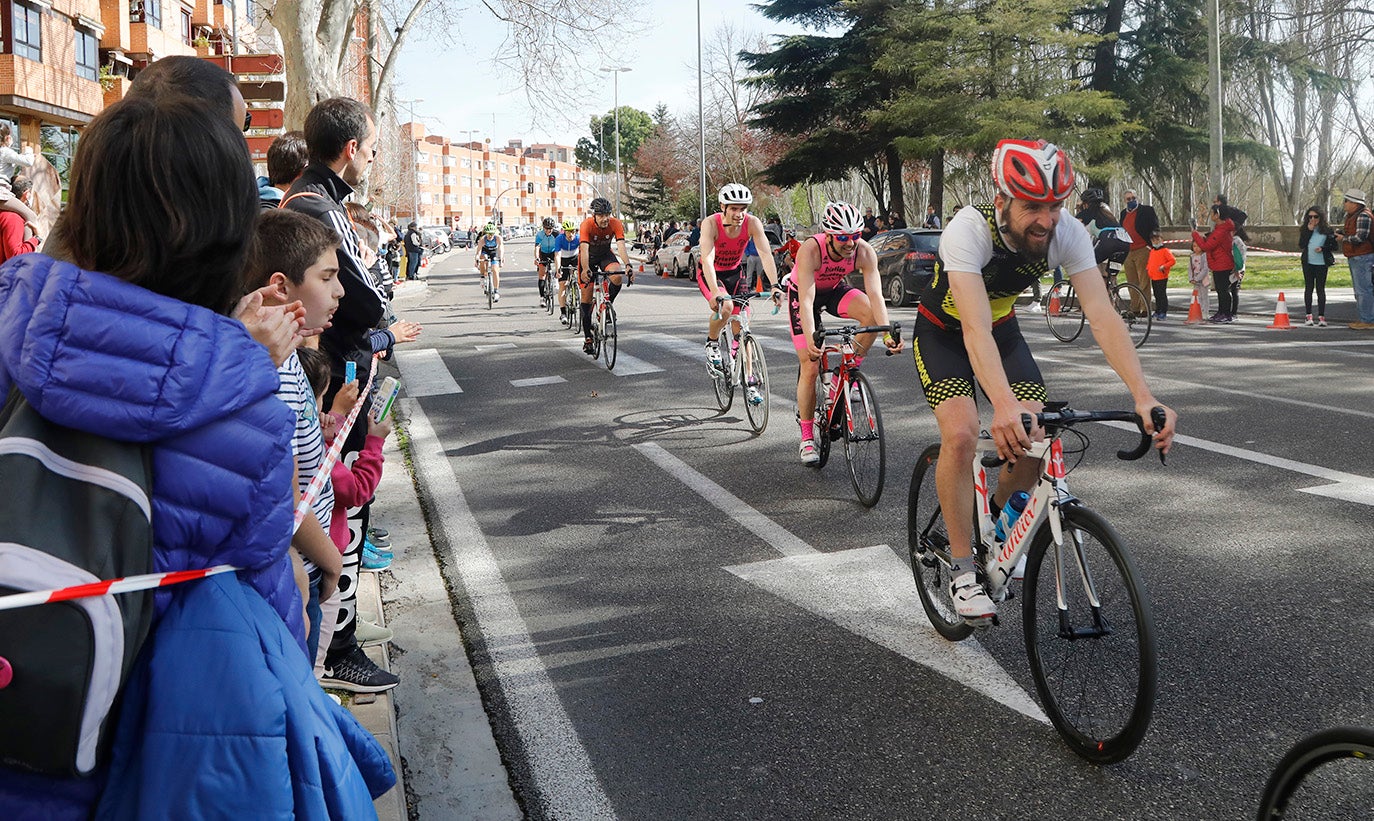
<point x="424" y="373"/>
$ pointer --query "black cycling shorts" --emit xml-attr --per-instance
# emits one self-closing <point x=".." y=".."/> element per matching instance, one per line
<point x="943" y="364"/>
<point x="545" y="257"/>
<point x="833" y="300"/>
<point x="489" y="253"/>
<point x="566" y="265"/>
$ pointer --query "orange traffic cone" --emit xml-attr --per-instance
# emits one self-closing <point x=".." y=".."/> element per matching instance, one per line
<point x="758" y="285"/>
<point x="1281" y="315"/>
<point x="641" y="267"/>
<point x="1053" y="309"/>
<point x="1194" y="311"/>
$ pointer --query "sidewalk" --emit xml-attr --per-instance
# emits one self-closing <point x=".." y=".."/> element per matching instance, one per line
<point x="433" y="724"/>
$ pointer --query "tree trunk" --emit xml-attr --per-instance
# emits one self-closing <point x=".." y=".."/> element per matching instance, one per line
<point x="937" y="182"/>
<point x="1104" y="55"/>
<point x="894" y="178"/>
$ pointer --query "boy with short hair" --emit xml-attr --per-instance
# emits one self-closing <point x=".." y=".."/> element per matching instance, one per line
<point x="294" y="257"/>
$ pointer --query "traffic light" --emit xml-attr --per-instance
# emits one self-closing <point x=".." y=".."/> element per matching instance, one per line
<point x="553" y="182"/>
<point x="529" y="187"/>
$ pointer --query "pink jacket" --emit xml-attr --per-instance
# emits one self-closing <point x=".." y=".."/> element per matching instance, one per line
<point x="354" y="486"/>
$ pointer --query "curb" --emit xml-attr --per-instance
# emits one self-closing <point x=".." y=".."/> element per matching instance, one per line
<point x="375" y="711"/>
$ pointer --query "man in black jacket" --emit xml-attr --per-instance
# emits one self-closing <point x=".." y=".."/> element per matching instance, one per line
<point x="341" y="137"/>
<point x="1141" y="222"/>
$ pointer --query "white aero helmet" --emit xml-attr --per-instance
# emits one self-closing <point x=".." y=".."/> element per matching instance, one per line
<point x="841" y="218"/>
<point x="735" y="194"/>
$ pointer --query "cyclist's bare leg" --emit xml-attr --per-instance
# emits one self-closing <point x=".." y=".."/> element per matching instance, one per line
<point x="860" y="310"/>
<point x="541" y="270"/>
<point x="495" y="275"/>
<point x="806" y="384"/>
<point x="957" y="418"/>
<point x="584" y="283"/>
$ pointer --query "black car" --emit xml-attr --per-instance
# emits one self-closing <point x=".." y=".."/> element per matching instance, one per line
<point x="906" y="262"/>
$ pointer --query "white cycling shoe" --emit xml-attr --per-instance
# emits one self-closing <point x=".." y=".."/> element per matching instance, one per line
<point x="971" y="601"/>
<point x="808" y="453"/>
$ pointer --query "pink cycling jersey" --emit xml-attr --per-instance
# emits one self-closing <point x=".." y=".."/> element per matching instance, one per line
<point x="729" y="252"/>
<point x="832" y="272"/>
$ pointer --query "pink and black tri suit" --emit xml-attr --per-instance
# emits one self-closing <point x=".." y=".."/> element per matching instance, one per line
<point x="833" y="291"/>
<point x="728" y="262"/>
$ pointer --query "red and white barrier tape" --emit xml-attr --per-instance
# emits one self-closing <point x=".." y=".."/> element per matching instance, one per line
<point x="128" y="584"/>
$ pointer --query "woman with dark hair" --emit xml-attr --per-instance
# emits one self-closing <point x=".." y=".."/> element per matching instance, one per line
<point x="1317" y="244"/>
<point x="129" y="338"/>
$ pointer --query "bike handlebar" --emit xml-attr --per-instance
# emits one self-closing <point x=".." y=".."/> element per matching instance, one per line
<point x="848" y="332"/>
<point x="1065" y="417"/>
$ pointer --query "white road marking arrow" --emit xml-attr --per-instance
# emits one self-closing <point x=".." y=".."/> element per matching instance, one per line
<point x="868" y="591"/>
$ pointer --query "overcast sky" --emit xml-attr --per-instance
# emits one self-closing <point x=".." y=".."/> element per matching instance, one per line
<point x="462" y="88"/>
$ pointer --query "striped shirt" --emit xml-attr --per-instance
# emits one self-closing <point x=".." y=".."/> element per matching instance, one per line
<point x="308" y="442"/>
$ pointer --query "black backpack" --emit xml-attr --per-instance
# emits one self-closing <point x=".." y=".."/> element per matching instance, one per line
<point x="74" y="508"/>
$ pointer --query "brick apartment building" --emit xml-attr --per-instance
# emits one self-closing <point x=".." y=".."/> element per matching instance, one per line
<point x="64" y="61"/>
<point x="465" y="183"/>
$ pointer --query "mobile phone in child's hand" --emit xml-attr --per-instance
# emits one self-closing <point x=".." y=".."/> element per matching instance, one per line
<point x="386" y="397"/>
<point x="350" y="371"/>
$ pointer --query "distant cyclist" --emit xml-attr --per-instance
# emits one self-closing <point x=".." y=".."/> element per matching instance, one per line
<point x="597" y="233"/>
<point x="724" y="236"/>
<point x="966" y="330"/>
<point x="819" y="281"/>
<point x="567" y="249"/>
<point x="545" y="246"/>
<point x="490" y="250"/>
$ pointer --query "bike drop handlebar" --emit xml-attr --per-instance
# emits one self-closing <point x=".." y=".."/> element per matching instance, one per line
<point x="1067" y="417"/>
<point x="848" y="332"/>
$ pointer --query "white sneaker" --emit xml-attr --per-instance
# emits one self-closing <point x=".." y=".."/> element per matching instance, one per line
<point x="971" y="601"/>
<point x="1309" y="323"/>
<point x="753" y="395"/>
<point x="495" y="296"/>
<point x="808" y="453"/>
<point x="1036" y="308"/>
<point x="713" y="356"/>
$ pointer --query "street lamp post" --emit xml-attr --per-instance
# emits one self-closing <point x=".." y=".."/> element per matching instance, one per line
<point x="616" y="71"/>
<point x="701" y="115"/>
<point x="414" y="161"/>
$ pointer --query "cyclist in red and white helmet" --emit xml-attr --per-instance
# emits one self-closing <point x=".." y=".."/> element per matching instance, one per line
<point x="819" y="281"/>
<point x="966" y="334"/>
<point x="720" y="273"/>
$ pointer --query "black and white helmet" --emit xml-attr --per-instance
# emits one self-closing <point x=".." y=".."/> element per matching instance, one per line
<point x="601" y="205"/>
<point x="841" y="218"/>
<point x="548" y="223"/>
<point x="735" y="194"/>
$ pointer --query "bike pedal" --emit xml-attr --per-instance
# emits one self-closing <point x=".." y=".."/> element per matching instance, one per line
<point x="982" y="622"/>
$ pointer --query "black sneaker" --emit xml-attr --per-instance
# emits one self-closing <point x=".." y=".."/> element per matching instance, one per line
<point x="357" y="673"/>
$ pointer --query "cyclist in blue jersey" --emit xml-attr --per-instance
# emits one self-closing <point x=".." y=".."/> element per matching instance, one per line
<point x="566" y="247"/>
<point x="545" y="245"/>
<point x="966" y="333"/>
<point x="490" y="250"/>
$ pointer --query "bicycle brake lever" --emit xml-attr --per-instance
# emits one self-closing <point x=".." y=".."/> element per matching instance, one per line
<point x="1158" y="418"/>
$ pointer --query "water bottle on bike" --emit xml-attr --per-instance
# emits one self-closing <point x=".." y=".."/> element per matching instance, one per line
<point x="1011" y="511"/>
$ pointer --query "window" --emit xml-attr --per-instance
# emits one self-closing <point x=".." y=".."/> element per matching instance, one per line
<point x="146" y="11"/>
<point x="186" y="27"/>
<point x="467" y="163"/>
<point x="423" y="178"/>
<point x="86" y="59"/>
<point x="467" y="199"/>
<point x="58" y="144"/>
<point x="426" y="198"/>
<point x="27" y="31"/>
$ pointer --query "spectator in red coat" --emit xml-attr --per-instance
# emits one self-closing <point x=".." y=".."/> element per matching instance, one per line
<point x="17" y="236"/>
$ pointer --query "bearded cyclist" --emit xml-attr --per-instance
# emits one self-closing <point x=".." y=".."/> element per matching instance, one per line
<point x="490" y="249"/>
<point x="724" y="237"/>
<point x="596" y="234"/>
<point x="966" y="330"/>
<point x="545" y="246"/>
<point x="819" y="281"/>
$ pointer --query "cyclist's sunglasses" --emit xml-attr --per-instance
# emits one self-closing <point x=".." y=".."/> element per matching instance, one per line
<point x="846" y="237"/>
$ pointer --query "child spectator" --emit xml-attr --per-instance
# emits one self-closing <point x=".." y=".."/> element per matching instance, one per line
<point x="1160" y="263"/>
<point x="296" y="258"/>
<point x="1238" y="274"/>
<point x="1200" y="278"/>
<point x="353" y="484"/>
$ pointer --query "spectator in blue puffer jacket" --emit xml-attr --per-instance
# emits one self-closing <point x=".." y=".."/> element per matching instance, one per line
<point x="144" y="351"/>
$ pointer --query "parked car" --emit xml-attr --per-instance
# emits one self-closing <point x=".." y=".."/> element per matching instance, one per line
<point x="435" y="238"/>
<point x="677" y="257"/>
<point x="906" y="263"/>
<point x="459" y="238"/>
